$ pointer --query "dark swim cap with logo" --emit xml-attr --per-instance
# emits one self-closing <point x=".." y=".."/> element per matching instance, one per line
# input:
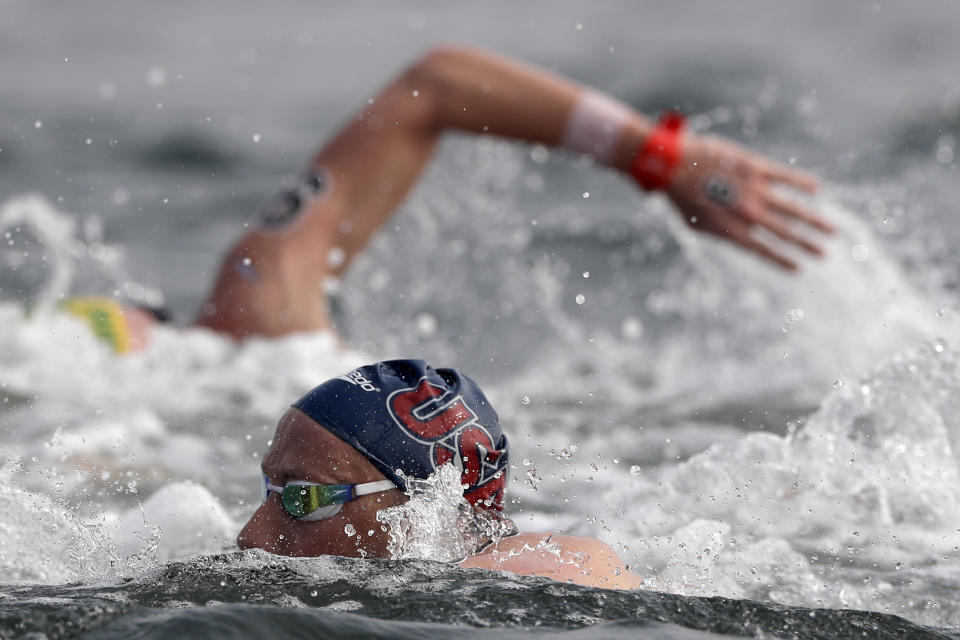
<point x="406" y="415"/>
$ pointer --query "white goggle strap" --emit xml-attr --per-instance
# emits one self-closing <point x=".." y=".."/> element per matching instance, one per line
<point x="373" y="487"/>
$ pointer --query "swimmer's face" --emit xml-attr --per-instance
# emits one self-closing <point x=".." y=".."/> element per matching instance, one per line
<point x="303" y="450"/>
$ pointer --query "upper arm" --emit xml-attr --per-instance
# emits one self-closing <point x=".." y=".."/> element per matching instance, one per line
<point x="272" y="281"/>
<point x="579" y="560"/>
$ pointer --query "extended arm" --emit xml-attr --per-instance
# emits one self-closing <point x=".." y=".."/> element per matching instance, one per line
<point x="269" y="282"/>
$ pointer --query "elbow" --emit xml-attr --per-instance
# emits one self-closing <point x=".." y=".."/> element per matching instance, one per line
<point x="438" y="61"/>
<point x="432" y="77"/>
<point x="419" y="89"/>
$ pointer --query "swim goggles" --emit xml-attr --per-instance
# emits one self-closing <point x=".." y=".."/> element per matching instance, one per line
<point x="309" y="501"/>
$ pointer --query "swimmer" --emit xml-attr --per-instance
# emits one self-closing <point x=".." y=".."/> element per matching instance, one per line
<point x="270" y="282"/>
<point x="343" y="452"/>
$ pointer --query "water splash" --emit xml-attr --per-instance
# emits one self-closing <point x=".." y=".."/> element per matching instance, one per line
<point x="42" y="539"/>
<point x="437" y="523"/>
<point x="45" y="260"/>
<point x="826" y="515"/>
<point x="41" y="254"/>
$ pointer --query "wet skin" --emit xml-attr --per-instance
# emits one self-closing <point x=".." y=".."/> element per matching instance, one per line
<point x="304" y="450"/>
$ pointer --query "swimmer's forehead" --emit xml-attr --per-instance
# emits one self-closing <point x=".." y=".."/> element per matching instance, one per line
<point x="304" y="449"/>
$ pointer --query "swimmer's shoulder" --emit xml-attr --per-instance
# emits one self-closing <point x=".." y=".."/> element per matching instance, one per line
<point x="560" y="557"/>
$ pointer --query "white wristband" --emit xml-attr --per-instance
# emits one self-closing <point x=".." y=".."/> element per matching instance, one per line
<point x="595" y="124"/>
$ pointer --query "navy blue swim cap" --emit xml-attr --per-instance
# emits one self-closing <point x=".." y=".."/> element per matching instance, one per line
<point x="406" y="415"/>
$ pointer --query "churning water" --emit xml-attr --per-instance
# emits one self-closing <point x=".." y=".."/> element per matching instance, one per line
<point x="777" y="455"/>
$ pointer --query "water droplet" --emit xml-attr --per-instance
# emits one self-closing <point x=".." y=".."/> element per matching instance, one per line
<point x="157" y="77"/>
<point x="247" y="262"/>
<point x="631" y="328"/>
<point x="38" y="124"/>
<point x="335" y="257"/>
<point x="416" y="94"/>
<point x="580" y="299"/>
<point x="586" y="194"/>
<point x="944" y="154"/>
<point x="525" y="400"/>
<point x="635" y="470"/>
<point x="586" y="274"/>
<point x="349" y="530"/>
<point x="426" y="325"/>
<point x="313" y="593"/>
<point x="792" y="317"/>
<point x="859" y="252"/>
<point x="533" y="478"/>
<point x="838" y="384"/>
<point x="256" y="137"/>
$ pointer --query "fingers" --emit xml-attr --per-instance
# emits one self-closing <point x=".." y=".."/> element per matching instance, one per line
<point x="766" y="252"/>
<point x="788" y="175"/>
<point x="795" y="210"/>
<point x="782" y="230"/>
<point x="744" y="239"/>
<point x="737" y="231"/>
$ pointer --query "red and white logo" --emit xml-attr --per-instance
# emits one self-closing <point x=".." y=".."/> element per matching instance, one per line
<point x="434" y="416"/>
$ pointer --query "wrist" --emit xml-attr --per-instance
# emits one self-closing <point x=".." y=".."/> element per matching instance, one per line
<point x="635" y="132"/>
<point x="656" y="159"/>
<point x="596" y="126"/>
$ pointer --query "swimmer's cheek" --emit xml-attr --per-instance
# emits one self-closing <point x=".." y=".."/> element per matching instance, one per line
<point x="263" y="531"/>
<point x="249" y="537"/>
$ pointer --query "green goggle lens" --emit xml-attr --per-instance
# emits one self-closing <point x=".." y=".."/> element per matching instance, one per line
<point x="300" y="500"/>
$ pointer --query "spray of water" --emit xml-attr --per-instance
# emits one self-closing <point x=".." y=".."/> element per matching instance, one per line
<point x="437" y="523"/>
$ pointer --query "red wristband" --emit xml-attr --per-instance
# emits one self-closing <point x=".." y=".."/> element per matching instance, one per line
<point x="657" y="160"/>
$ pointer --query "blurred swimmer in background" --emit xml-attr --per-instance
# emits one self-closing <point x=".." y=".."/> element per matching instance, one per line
<point x="270" y="282"/>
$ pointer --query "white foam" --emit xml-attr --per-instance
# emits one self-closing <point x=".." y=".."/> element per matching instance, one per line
<point x="42" y="540"/>
<point x="870" y="483"/>
<point x="179" y="520"/>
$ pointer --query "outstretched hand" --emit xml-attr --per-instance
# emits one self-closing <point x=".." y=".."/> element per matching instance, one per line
<point x="724" y="189"/>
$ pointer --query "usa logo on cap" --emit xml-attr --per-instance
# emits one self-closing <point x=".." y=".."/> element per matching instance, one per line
<point x="405" y="415"/>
